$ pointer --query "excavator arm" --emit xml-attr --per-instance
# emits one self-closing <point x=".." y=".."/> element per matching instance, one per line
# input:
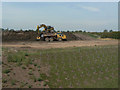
<point x="42" y="25"/>
<point x="38" y="29"/>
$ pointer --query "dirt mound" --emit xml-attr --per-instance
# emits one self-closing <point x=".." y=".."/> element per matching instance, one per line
<point x="31" y="36"/>
<point x="81" y="36"/>
<point x="70" y="36"/>
<point x="27" y="36"/>
<point x="19" y="36"/>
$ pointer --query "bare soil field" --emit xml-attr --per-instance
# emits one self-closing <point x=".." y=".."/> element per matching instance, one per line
<point x="64" y="44"/>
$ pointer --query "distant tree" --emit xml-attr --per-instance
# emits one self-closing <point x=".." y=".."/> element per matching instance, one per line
<point x="11" y="29"/>
<point x="68" y="31"/>
<point x="30" y="30"/>
<point x="80" y="30"/>
<point x="84" y="31"/>
<point x="105" y="30"/>
<point x="2" y="29"/>
<point x="26" y="30"/>
<point x="76" y="31"/>
<point x="21" y="30"/>
<point x="111" y="31"/>
<point x="7" y="29"/>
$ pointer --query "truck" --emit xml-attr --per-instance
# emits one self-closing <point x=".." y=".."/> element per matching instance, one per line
<point x="49" y="34"/>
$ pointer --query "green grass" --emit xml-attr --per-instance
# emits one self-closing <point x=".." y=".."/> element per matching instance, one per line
<point x="26" y="54"/>
<point x="92" y="35"/>
<point x="44" y="83"/>
<point x="83" y="67"/>
<point x="29" y="86"/>
<point x="78" y="67"/>
<point x="23" y="67"/>
<point x="30" y="72"/>
<point x="19" y="58"/>
<point x="13" y="82"/>
<point x="4" y="80"/>
<point x="23" y="84"/>
<point x="35" y="64"/>
<point x="6" y="71"/>
<point x="33" y="78"/>
<point x="40" y="79"/>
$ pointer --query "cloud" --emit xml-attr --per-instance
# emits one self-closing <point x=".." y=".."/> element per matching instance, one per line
<point x="93" y="9"/>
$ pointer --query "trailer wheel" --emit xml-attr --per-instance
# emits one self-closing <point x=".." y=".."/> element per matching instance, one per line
<point x="47" y="39"/>
<point x="38" y="38"/>
<point x="59" y="39"/>
<point x="51" y="39"/>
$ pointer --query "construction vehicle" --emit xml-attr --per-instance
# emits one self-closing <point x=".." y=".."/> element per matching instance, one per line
<point x="49" y="34"/>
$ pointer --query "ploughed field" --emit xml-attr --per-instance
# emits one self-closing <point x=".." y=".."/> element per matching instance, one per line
<point x="81" y="67"/>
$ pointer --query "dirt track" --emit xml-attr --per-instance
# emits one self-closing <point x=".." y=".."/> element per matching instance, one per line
<point x="46" y="45"/>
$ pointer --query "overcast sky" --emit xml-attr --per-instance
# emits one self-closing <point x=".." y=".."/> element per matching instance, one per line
<point x="89" y="16"/>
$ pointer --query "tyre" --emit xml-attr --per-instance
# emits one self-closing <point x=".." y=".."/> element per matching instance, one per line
<point x="51" y="39"/>
<point x="38" y="38"/>
<point x="47" y="39"/>
<point x="59" y="39"/>
<point x="64" y="39"/>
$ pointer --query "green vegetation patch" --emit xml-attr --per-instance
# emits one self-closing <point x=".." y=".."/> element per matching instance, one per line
<point x="90" y="67"/>
<point x="77" y="67"/>
<point x="20" y="57"/>
<point x="6" y="71"/>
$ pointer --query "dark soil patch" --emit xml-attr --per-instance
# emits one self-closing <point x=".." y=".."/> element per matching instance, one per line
<point x="8" y="36"/>
<point x="70" y="36"/>
<point x="19" y="36"/>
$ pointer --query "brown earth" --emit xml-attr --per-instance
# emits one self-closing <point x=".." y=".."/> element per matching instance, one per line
<point x="81" y="36"/>
<point x="64" y="44"/>
<point x="18" y="36"/>
<point x="8" y="36"/>
<point x="20" y="76"/>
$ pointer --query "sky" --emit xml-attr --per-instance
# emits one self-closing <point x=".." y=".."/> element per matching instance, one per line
<point x="88" y="16"/>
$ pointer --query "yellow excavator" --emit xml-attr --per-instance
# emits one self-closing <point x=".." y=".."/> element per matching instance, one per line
<point x="49" y="34"/>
